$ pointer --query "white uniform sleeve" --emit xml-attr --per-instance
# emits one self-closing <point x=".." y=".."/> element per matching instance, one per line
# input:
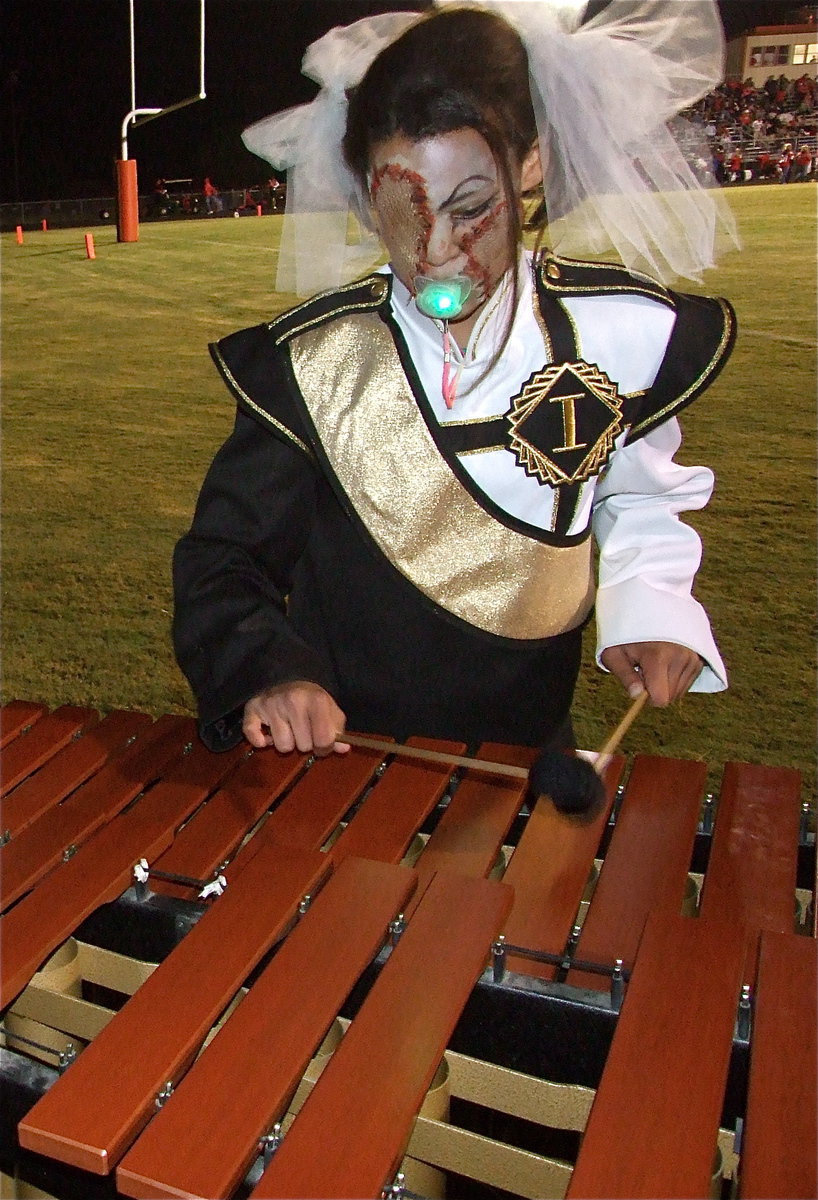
<point x="647" y="556"/>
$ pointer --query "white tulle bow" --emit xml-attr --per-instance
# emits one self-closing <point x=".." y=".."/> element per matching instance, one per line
<point x="617" y="182"/>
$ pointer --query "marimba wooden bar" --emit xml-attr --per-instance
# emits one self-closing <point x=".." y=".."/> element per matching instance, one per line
<point x="51" y="734"/>
<point x="781" y="1108"/>
<point x="379" y="1075"/>
<point x="301" y="990"/>
<point x="687" y="980"/>
<point x="67" y="769"/>
<point x="438" y="912"/>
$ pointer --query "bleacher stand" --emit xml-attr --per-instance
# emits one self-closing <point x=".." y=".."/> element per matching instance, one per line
<point x="772" y="129"/>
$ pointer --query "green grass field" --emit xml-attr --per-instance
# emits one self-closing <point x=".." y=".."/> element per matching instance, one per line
<point x="112" y="412"/>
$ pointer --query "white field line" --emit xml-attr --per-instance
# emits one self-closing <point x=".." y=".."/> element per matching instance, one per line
<point x="807" y="343"/>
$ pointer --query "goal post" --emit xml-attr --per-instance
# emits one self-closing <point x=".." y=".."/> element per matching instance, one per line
<point x="126" y="176"/>
<point x="127" y="196"/>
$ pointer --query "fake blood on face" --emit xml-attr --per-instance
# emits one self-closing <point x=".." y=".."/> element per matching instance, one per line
<point x="440" y="210"/>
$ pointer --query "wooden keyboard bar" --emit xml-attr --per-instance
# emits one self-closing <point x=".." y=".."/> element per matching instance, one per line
<point x="102" y="867"/>
<point x="779" y="1150"/>
<point x="42" y="845"/>
<point x="29" y="751"/>
<point x="470" y="834"/>
<point x="314" y="808"/>
<point x="268" y="1041"/>
<point x="397" y="806"/>
<point x="16" y="716"/>
<point x="647" y="862"/>
<point x="654" y="1123"/>
<point x="353" y="1129"/>
<point x="212" y="834"/>
<point x="68" y="769"/>
<point x="751" y="875"/>
<point x="91" y="1114"/>
<point x="549" y="871"/>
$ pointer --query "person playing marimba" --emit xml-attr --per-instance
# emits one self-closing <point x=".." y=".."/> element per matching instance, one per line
<point x="398" y="533"/>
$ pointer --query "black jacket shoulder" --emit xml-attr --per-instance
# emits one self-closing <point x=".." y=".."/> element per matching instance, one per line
<point x="704" y="332"/>
<point x="701" y="343"/>
<point x="255" y="365"/>
<point x="572" y="277"/>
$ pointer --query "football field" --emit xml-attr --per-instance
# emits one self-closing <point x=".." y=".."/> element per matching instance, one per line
<point x="112" y="411"/>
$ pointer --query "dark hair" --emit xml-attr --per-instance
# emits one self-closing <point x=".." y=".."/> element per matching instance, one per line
<point x="454" y="69"/>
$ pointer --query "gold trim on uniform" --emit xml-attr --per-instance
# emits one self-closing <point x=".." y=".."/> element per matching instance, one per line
<point x="482" y="450"/>
<point x="260" y="412"/>
<point x="698" y="382"/>
<point x="413" y="505"/>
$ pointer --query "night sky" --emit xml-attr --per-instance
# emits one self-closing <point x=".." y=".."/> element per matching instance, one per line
<point x="65" y="82"/>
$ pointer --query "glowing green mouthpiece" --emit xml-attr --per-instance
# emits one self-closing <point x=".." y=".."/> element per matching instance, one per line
<point x="442" y="298"/>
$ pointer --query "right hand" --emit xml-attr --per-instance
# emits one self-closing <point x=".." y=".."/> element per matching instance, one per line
<point x="298" y="715"/>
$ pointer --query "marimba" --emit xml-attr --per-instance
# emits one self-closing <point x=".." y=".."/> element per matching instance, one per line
<point x="250" y="974"/>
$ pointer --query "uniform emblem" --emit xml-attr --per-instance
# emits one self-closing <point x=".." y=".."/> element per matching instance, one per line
<point x="563" y="423"/>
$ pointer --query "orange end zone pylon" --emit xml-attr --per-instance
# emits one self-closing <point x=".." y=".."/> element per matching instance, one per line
<point x="127" y="222"/>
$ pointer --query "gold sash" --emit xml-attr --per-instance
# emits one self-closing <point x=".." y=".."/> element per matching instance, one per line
<point x="414" y="507"/>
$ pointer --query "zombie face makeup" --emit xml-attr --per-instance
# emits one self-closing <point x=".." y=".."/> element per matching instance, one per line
<point x="440" y="210"/>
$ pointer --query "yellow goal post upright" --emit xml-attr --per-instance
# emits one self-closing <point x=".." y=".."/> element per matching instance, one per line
<point x="126" y="183"/>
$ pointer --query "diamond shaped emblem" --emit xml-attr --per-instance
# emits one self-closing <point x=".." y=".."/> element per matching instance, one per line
<point x="563" y="423"/>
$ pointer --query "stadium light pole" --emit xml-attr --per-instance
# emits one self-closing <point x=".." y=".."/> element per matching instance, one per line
<point x="126" y="181"/>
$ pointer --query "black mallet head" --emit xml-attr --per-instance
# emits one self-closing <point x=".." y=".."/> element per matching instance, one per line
<point x="572" y="783"/>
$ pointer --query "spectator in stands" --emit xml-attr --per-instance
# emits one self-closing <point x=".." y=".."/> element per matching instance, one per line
<point x="275" y="193"/>
<point x="802" y="165"/>
<point x="767" y="167"/>
<point x="161" y="197"/>
<point x="719" y="167"/>
<point x="213" y="201"/>
<point x="736" y="167"/>
<point x="785" y="163"/>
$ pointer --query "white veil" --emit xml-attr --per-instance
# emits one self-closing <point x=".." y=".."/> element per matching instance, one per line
<point x="616" y="180"/>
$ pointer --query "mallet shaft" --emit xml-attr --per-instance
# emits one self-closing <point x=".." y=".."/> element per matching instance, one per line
<point x="439" y="756"/>
<point x="606" y="753"/>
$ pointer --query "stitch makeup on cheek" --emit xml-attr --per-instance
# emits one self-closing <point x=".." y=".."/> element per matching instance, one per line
<point x="405" y="216"/>
<point x="488" y="239"/>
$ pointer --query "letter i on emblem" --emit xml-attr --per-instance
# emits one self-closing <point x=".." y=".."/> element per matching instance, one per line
<point x="569" y="421"/>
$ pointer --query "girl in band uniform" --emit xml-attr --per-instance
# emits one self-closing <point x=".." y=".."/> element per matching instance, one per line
<point x="399" y="533"/>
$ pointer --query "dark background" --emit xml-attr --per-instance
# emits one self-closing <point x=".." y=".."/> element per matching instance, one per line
<point x="65" y="84"/>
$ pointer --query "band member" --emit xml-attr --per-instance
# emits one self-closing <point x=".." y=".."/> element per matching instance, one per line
<point x="399" y="533"/>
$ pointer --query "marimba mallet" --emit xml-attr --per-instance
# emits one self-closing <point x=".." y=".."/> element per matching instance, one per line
<point x="573" y="783"/>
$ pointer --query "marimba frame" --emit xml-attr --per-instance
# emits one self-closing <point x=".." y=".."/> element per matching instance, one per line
<point x="541" y="1028"/>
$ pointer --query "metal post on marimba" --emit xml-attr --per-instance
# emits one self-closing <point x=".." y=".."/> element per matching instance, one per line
<point x="803" y="830"/>
<point x="744" y="1016"/>
<point x="395" y="1190"/>
<point x="617" y="986"/>
<point x="498" y="959"/>
<point x="269" y="1143"/>
<point x="707" y="815"/>
<point x="570" y="947"/>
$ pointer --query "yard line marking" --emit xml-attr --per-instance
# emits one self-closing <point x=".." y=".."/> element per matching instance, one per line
<point x="808" y="343"/>
<point x="243" y="246"/>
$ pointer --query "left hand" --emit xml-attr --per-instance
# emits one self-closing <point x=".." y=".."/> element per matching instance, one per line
<point x="665" y="669"/>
